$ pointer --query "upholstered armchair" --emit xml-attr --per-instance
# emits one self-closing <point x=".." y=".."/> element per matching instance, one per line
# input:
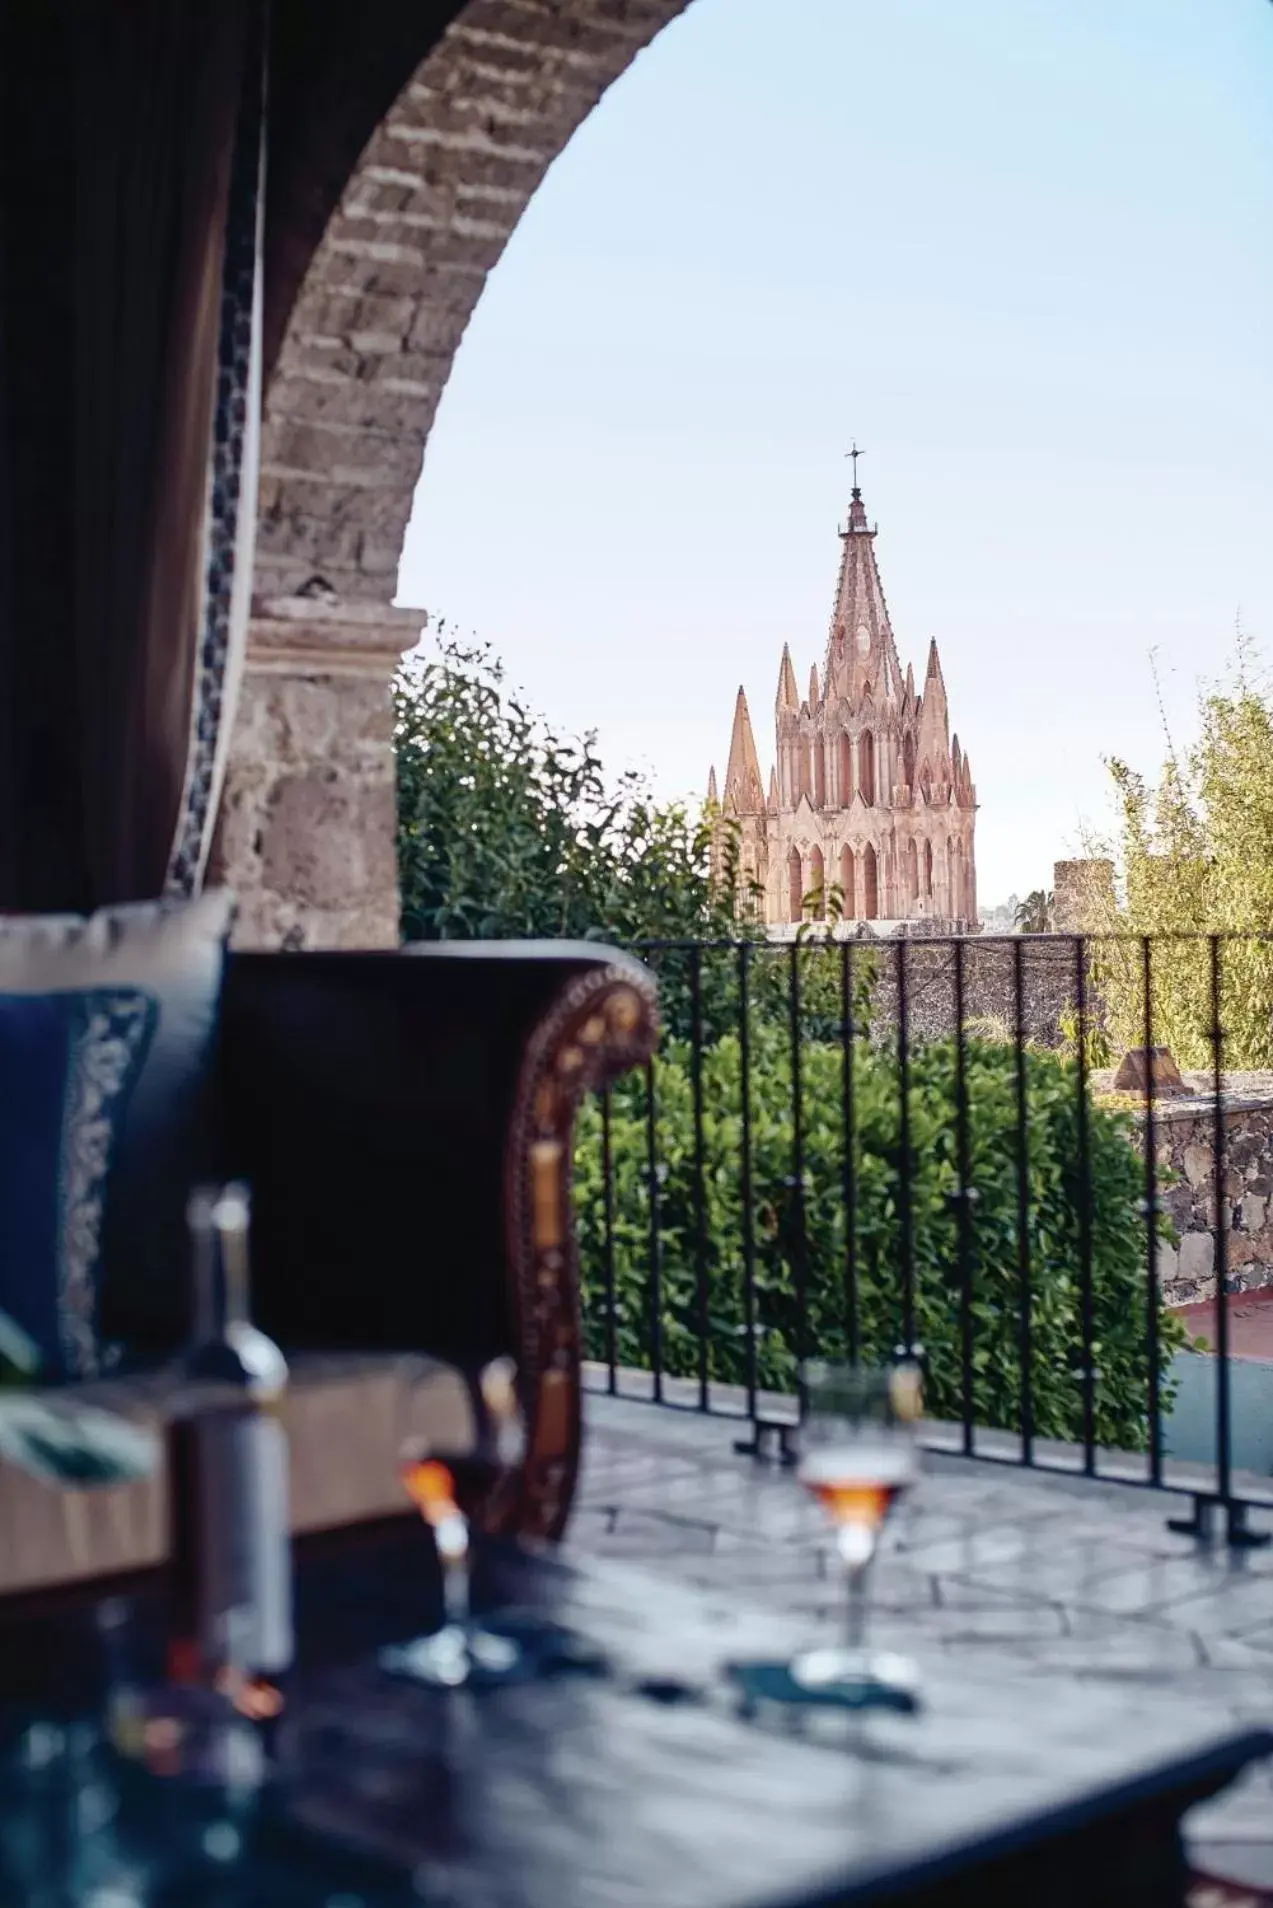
<point x="404" y="1120"/>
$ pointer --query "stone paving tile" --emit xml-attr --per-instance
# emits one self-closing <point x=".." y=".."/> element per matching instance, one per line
<point x="1166" y="1581"/>
<point x="1058" y="1573"/>
<point x="1236" y="1607"/>
<point x="1061" y="1573"/>
<point x="635" y="1535"/>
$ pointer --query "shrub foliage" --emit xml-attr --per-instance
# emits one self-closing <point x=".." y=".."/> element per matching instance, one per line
<point x="1119" y="1286"/>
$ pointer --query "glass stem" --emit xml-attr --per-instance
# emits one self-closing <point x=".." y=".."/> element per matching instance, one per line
<point x="453" y="1550"/>
<point x="857" y="1550"/>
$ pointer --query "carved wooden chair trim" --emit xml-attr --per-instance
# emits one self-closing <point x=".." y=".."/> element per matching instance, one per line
<point x="599" y="1026"/>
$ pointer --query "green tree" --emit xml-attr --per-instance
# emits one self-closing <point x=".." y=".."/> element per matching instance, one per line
<point x="1034" y="914"/>
<point x="508" y="829"/>
<point x="1194" y="856"/>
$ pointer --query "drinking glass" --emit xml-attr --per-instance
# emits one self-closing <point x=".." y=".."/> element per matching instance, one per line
<point x="444" y="1486"/>
<point x="858" y="1454"/>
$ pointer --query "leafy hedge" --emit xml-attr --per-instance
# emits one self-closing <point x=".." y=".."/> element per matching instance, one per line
<point x="1117" y="1227"/>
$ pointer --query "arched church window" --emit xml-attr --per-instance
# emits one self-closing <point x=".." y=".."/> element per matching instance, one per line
<point x="819" y="775"/>
<point x="817" y="885"/>
<point x="866" y="767"/>
<point x="908" y="760"/>
<point x="928" y="869"/>
<point x="848" y="882"/>
<point x="870" y="884"/>
<point x="795" y="886"/>
<point x="953" y="901"/>
<point x="912" y="872"/>
<point x="846" y="770"/>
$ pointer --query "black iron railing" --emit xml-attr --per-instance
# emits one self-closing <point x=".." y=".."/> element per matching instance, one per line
<point x="855" y="1148"/>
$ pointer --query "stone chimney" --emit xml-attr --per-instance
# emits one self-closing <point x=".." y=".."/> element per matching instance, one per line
<point x="1082" y="894"/>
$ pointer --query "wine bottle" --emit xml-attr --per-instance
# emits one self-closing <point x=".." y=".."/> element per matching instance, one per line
<point x="227" y="1470"/>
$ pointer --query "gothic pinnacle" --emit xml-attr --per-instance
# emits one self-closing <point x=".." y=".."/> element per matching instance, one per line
<point x="744" y="789"/>
<point x="788" y="694"/>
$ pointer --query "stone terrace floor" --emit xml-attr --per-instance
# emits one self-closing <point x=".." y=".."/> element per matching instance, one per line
<point x="1073" y="1576"/>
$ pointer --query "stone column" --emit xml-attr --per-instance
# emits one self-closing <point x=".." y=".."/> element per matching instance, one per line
<point x="306" y="831"/>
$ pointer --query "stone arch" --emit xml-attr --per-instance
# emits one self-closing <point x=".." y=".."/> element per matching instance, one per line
<point x="389" y="290"/>
<point x="818" y="885"/>
<point x="848" y="882"/>
<point x="866" y="767"/>
<point x="795" y="886"/>
<point x="870" y="883"/>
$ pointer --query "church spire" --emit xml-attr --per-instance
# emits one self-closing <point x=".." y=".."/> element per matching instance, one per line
<point x="712" y="796"/>
<point x="788" y="695"/>
<point x="744" y="789"/>
<point x="934" y="717"/>
<point x="860" y="646"/>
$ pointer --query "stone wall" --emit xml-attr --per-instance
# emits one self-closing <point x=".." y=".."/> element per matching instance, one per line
<point x="1048" y="987"/>
<point x="1082" y="893"/>
<point x="307" y="829"/>
<point x="1185" y="1149"/>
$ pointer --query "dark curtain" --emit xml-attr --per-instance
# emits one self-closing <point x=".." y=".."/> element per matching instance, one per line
<point x="117" y="123"/>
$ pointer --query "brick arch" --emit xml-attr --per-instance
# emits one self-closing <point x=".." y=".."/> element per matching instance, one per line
<point x="387" y="295"/>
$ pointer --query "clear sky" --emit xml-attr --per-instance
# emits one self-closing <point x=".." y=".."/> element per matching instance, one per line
<point x="1021" y="249"/>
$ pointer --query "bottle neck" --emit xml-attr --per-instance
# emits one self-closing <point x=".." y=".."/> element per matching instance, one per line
<point x="205" y="1268"/>
<point x="230" y="1217"/>
<point x="234" y="1293"/>
<point x="219" y="1264"/>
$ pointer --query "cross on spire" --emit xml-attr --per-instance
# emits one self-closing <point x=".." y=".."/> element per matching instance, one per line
<point x="855" y="453"/>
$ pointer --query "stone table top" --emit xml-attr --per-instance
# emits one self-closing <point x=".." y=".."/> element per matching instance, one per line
<point x="584" y="1791"/>
<point x="985" y="1562"/>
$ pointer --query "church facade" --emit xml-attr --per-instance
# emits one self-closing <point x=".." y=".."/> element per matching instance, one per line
<point x="870" y="793"/>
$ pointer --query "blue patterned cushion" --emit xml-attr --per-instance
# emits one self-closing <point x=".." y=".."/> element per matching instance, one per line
<point x="68" y="1061"/>
<point x="173" y="951"/>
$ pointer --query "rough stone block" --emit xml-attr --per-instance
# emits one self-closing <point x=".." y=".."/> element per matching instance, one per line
<point x="1199" y="1164"/>
<point x="329" y="842"/>
<point x="1197" y="1255"/>
<point x="1168" y="1263"/>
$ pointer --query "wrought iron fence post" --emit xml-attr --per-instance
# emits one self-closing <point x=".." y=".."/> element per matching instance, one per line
<point x="850" y="1165"/>
<point x="1152" y="1351"/>
<point x="965" y="1196"/>
<point x="905" y="1216"/>
<point x="703" y="1319"/>
<point x="1025" y="1293"/>
<point x="1089" y="1374"/>
<point x="607" y="1181"/>
<point x="795" y="1185"/>
<point x="656" y="1239"/>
